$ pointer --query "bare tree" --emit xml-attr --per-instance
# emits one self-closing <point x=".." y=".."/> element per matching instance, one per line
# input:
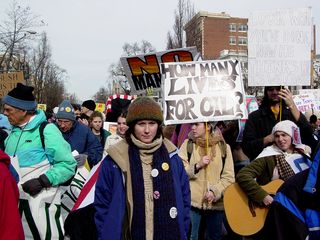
<point x="102" y="95"/>
<point x="184" y="12"/>
<point x="47" y="77"/>
<point x="116" y="72"/>
<point x="16" y="31"/>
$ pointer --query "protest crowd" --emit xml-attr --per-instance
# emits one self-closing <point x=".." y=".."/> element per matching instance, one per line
<point x="66" y="177"/>
<point x="200" y="160"/>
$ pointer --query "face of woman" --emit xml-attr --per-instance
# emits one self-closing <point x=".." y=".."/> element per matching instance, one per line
<point x="283" y="141"/>
<point x="121" y="125"/>
<point x="199" y="130"/>
<point x="145" y="130"/>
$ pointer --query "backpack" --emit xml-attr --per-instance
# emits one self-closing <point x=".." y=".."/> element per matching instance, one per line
<point x="222" y="146"/>
<point x="41" y="129"/>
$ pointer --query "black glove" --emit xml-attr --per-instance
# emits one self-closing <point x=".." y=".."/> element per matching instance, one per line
<point x="35" y="185"/>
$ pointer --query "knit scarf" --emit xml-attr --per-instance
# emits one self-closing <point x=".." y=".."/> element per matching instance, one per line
<point x="165" y="227"/>
<point x="212" y="141"/>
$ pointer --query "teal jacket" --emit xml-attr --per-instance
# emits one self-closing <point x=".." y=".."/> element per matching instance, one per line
<point x="25" y="143"/>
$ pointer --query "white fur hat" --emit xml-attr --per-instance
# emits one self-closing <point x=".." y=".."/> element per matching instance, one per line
<point x="289" y="128"/>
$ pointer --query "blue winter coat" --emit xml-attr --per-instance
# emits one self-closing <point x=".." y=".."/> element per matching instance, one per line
<point x="113" y="205"/>
<point x="81" y="138"/>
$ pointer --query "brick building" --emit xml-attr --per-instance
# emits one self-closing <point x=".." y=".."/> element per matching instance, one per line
<point x="217" y="34"/>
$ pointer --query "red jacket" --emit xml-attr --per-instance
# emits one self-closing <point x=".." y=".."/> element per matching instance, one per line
<point x="10" y="220"/>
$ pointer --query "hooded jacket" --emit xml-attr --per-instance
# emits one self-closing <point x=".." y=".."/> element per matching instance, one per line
<point x="10" y="222"/>
<point x="25" y="143"/>
<point x="113" y="194"/>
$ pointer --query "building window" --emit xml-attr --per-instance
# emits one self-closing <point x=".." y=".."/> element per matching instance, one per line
<point x="232" y="41"/>
<point x="243" y="28"/>
<point x="232" y="27"/>
<point x="242" y="41"/>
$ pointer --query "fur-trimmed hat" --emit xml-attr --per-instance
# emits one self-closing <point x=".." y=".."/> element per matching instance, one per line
<point x="21" y="97"/>
<point x="289" y="128"/>
<point x="144" y="108"/>
<point x="90" y="104"/>
<point x="66" y="111"/>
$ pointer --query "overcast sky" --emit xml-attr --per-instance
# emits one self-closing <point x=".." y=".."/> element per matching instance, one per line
<point x="86" y="36"/>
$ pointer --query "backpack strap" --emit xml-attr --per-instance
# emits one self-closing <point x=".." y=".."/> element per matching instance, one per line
<point x="41" y="129"/>
<point x="189" y="149"/>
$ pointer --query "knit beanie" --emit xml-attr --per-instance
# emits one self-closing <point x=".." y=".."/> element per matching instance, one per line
<point x="66" y="111"/>
<point x="289" y="128"/>
<point x="144" y="108"/>
<point x="90" y="104"/>
<point x="21" y="97"/>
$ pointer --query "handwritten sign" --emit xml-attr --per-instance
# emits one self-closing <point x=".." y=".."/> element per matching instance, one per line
<point x="279" y="47"/>
<point x="8" y="81"/>
<point x="202" y="91"/>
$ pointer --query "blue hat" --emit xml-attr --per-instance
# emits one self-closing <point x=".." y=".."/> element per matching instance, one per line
<point x="66" y="111"/>
<point x="21" y="97"/>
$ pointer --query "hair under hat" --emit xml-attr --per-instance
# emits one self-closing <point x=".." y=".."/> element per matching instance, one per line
<point x="21" y="97"/>
<point x="144" y="108"/>
<point x="289" y="128"/>
<point x="66" y="111"/>
<point x="90" y="104"/>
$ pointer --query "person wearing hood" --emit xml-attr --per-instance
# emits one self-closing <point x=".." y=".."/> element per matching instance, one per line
<point x="257" y="131"/>
<point x="41" y="167"/>
<point x="142" y="191"/>
<point x="78" y="135"/>
<point x="210" y="169"/>
<point x="10" y="220"/>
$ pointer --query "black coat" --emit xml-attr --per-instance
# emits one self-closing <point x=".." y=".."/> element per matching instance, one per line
<point x="260" y="124"/>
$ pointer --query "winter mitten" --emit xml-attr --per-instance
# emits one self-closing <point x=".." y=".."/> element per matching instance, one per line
<point x="35" y="185"/>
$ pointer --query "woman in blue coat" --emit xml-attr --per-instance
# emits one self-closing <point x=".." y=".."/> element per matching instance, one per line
<point x="142" y="191"/>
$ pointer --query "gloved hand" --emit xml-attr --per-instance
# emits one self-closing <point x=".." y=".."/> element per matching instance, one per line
<point x="81" y="159"/>
<point x="35" y="185"/>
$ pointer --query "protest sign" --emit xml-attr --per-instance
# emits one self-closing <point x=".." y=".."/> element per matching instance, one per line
<point x="8" y="81"/>
<point x="251" y="106"/>
<point x="279" y="47"/>
<point x="304" y="102"/>
<point x="143" y="71"/>
<point x="202" y="91"/>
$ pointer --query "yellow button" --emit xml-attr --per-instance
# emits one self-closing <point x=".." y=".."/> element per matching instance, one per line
<point x="165" y="166"/>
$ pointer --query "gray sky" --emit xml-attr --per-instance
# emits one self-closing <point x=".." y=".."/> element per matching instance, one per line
<point x="87" y="36"/>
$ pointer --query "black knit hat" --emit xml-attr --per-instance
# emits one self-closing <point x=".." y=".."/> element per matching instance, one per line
<point x="144" y="108"/>
<point x="90" y="104"/>
<point x="21" y="97"/>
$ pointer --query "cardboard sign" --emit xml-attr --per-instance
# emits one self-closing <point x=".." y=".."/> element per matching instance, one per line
<point x="100" y="107"/>
<point x="202" y="91"/>
<point x="143" y="71"/>
<point x="279" y="47"/>
<point x="8" y="81"/>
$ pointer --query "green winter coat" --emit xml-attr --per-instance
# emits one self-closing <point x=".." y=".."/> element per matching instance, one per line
<point x="25" y="143"/>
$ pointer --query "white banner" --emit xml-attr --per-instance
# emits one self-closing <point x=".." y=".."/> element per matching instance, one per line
<point x="279" y="47"/>
<point x="202" y="91"/>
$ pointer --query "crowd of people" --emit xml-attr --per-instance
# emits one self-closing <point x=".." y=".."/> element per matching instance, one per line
<point x="152" y="181"/>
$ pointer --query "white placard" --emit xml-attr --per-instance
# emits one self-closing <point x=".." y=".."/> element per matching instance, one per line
<point x="202" y="91"/>
<point x="279" y="47"/>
